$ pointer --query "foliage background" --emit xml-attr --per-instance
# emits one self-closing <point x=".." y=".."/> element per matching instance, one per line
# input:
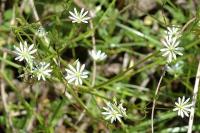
<point x="44" y="107"/>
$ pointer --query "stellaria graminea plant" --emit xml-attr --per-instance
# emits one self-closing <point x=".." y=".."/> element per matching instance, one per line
<point x="114" y="112"/>
<point x="173" y="31"/>
<point x="25" y="52"/>
<point x="42" y="71"/>
<point x="182" y="107"/>
<point x="77" y="17"/>
<point x="171" y="43"/>
<point x="97" y="55"/>
<point x="41" y="32"/>
<point x="76" y="74"/>
<point x="175" y="69"/>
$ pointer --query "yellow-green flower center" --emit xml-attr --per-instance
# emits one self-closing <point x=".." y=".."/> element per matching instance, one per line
<point x="171" y="48"/>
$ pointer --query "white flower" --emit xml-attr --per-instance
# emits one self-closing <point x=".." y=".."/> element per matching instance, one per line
<point x="95" y="11"/>
<point x="173" y="31"/>
<point x="41" y="71"/>
<point x="24" y="52"/>
<point x="76" y="74"/>
<point x="175" y="69"/>
<point x="79" y="17"/>
<point x="122" y="109"/>
<point x="172" y="49"/>
<point x="171" y="42"/>
<point x="182" y="107"/>
<point x="97" y="55"/>
<point x="41" y="32"/>
<point x="114" y="112"/>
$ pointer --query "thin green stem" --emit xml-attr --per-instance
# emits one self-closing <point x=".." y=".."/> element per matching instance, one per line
<point x="58" y="108"/>
<point x="154" y="101"/>
<point x="10" y="63"/>
<point x="118" y="77"/>
<point x="138" y="33"/>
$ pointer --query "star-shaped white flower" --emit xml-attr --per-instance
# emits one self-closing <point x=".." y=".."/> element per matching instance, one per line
<point x="42" y="71"/>
<point x="175" y="69"/>
<point x="76" y="74"/>
<point x="171" y="48"/>
<point x="173" y="31"/>
<point x="183" y="107"/>
<point x="41" y="32"/>
<point x="24" y="52"/>
<point x="77" y="17"/>
<point x="114" y="112"/>
<point x="97" y="55"/>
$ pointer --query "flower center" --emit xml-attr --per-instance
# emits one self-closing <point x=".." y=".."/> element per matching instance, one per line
<point x="78" y="74"/>
<point x="25" y="54"/>
<point x="171" y="48"/>
<point x="181" y="107"/>
<point x="115" y="113"/>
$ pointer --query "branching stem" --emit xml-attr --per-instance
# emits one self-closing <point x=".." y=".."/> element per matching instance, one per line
<point x="94" y="70"/>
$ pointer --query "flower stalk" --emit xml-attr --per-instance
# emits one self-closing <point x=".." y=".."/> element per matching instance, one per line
<point x="154" y="101"/>
<point x="194" y="99"/>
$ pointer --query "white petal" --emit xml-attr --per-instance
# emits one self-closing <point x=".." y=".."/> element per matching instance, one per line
<point x="78" y="66"/>
<point x="81" y="13"/>
<point x="71" y="80"/>
<point x="76" y="82"/>
<point x="82" y="68"/>
<point x="72" y="68"/>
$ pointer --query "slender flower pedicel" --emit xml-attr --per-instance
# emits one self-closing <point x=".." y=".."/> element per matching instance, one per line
<point x="114" y="112"/>
<point x="24" y="52"/>
<point x="170" y="51"/>
<point x="97" y="55"/>
<point x="76" y="74"/>
<point x="182" y="107"/>
<point x="77" y="17"/>
<point x="42" y="70"/>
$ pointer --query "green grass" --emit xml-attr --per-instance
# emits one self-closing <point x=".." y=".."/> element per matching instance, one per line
<point x="130" y="74"/>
